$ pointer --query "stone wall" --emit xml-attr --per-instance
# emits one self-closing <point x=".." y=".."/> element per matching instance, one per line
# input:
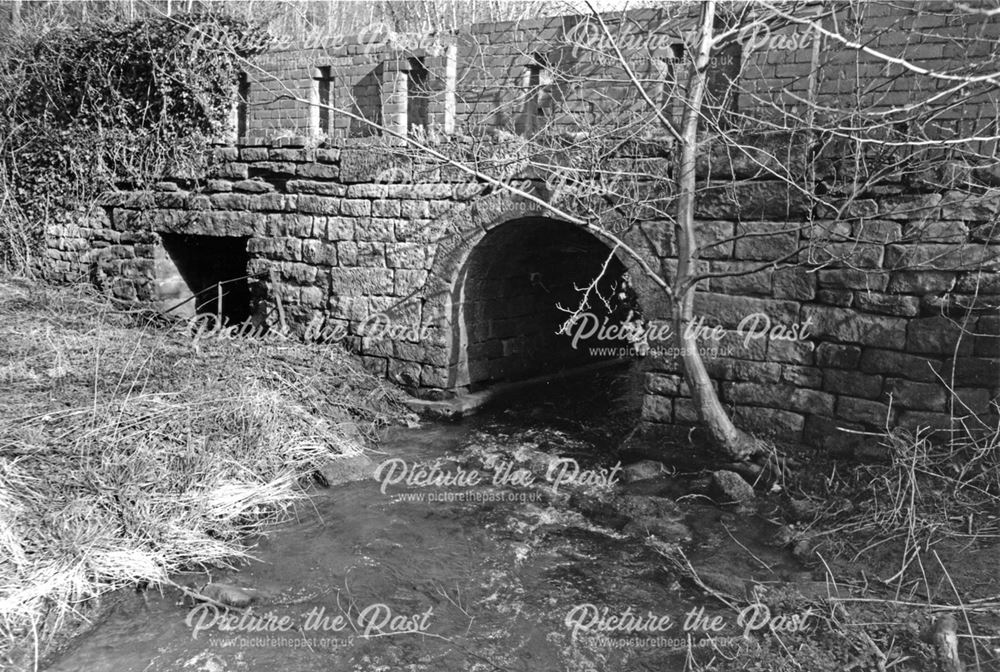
<point x="903" y="327"/>
<point x="518" y="75"/>
<point x="895" y="297"/>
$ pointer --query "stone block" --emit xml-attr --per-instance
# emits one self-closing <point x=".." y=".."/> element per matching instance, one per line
<point x="340" y="228"/>
<point x="289" y="249"/>
<point x="751" y="201"/>
<point x="742" y="277"/>
<point x="920" y="396"/>
<point x="792" y="352"/>
<point x="923" y="231"/>
<point x="218" y="223"/>
<point x="230" y="201"/>
<point x="715" y="239"/>
<point x="657" y="409"/>
<point x="864" y="411"/>
<point x="318" y="171"/>
<point x="876" y="231"/>
<point x="319" y="252"/>
<point x="300" y="226"/>
<point x="887" y="304"/>
<point x="853" y="255"/>
<point x="328" y="155"/>
<point x="347" y="253"/>
<point x="664" y="384"/>
<point x="939" y="256"/>
<point x="370" y="164"/>
<point x="371" y="255"/>
<point x="302" y="274"/>
<point x="355" y="207"/>
<point x="850" y="326"/>
<point x="922" y="421"/>
<point x="272" y="169"/>
<point x="852" y="383"/>
<point x="296" y="155"/>
<point x="312" y="297"/>
<point x="229" y="171"/>
<point x="794" y="283"/>
<point x="376" y="229"/>
<point x="979" y="282"/>
<point x="785" y="397"/>
<point x="367" y="191"/>
<point x="921" y="282"/>
<point x="409" y="281"/>
<point x="253" y="153"/>
<point x="730" y="311"/>
<point x="908" y="207"/>
<point x="986" y="341"/>
<point x="937" y="335"/>
<point x="769" y="422"/>
<point x="319" y="205"/>
<point x="834" y="355"/>
<point x="957" y="205"/>
<point x="385" y="208"/>
<point x="434" y="376"/>
<point x="171" y="199"/>
<point x="317" y="188"/>
<point x="276" y="202"/>
<point x="218" y="186"/>
<point x="974" y="371"/>
<point x="255" y="186"/>
<point x="685" y="411"/>
<point x="429" y="191"/>
<point x="975" y="400"/>
<point x="361" y="281"/>
<point x="408" y="255"/>
<point x="802" y="376"/>
<point x="842" y="298"/>
<point x="765" y="241"/>
<point x="411" y="209"/>
<point x="851" y="278"/>
<point x="893" y="363"/>
<point x="729" y="368"/>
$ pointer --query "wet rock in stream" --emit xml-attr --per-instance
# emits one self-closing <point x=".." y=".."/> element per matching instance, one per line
<point x="228" y="594"/>
<point x="643" y="470"/>
<point x="728" y="487"/>
<point x="637" y="515"/>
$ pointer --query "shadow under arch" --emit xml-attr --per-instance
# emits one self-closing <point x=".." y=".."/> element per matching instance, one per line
<point x="506" y="298"/>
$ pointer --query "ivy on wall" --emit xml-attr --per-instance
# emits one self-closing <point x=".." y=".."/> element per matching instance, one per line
<point x="103" y="104"/>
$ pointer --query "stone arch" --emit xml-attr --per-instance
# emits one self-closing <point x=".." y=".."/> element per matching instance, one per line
<point x="492" y="252"/>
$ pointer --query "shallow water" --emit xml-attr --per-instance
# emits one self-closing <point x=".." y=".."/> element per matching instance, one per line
<point x="483" y="580"/>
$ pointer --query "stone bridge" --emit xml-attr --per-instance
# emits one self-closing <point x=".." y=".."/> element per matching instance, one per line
<point x="332" y="225"/>
<point x="473" y="278"/>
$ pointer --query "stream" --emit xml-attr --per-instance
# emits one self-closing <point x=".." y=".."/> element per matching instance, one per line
<point x="501" y="570"/>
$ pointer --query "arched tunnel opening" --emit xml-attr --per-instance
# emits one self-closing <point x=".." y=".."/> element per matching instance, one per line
<point x="521" y="284"/>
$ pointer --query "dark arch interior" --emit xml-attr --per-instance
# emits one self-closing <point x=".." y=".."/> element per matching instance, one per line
<point x="515" y="281"/>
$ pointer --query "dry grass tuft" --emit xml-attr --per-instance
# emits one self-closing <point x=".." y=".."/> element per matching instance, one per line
<point x="126" y="454"/>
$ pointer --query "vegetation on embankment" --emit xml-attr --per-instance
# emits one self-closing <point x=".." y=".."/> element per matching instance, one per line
<point x="127" y="453"/>
<point x="88" y="105"/>
<point x="900" y="557"/>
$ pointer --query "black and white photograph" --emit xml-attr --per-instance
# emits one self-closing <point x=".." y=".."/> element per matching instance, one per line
<point x="500" y="335"/>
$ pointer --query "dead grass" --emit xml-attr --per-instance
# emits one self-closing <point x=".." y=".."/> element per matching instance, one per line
<point x="897" y="549"/>
<point x="125" y="455"/>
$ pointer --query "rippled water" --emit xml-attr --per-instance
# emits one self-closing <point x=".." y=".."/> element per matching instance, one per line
<point x="488" y="581"/>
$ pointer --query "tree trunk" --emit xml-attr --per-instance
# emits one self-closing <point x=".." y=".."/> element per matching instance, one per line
<point x="735" y="443"/>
